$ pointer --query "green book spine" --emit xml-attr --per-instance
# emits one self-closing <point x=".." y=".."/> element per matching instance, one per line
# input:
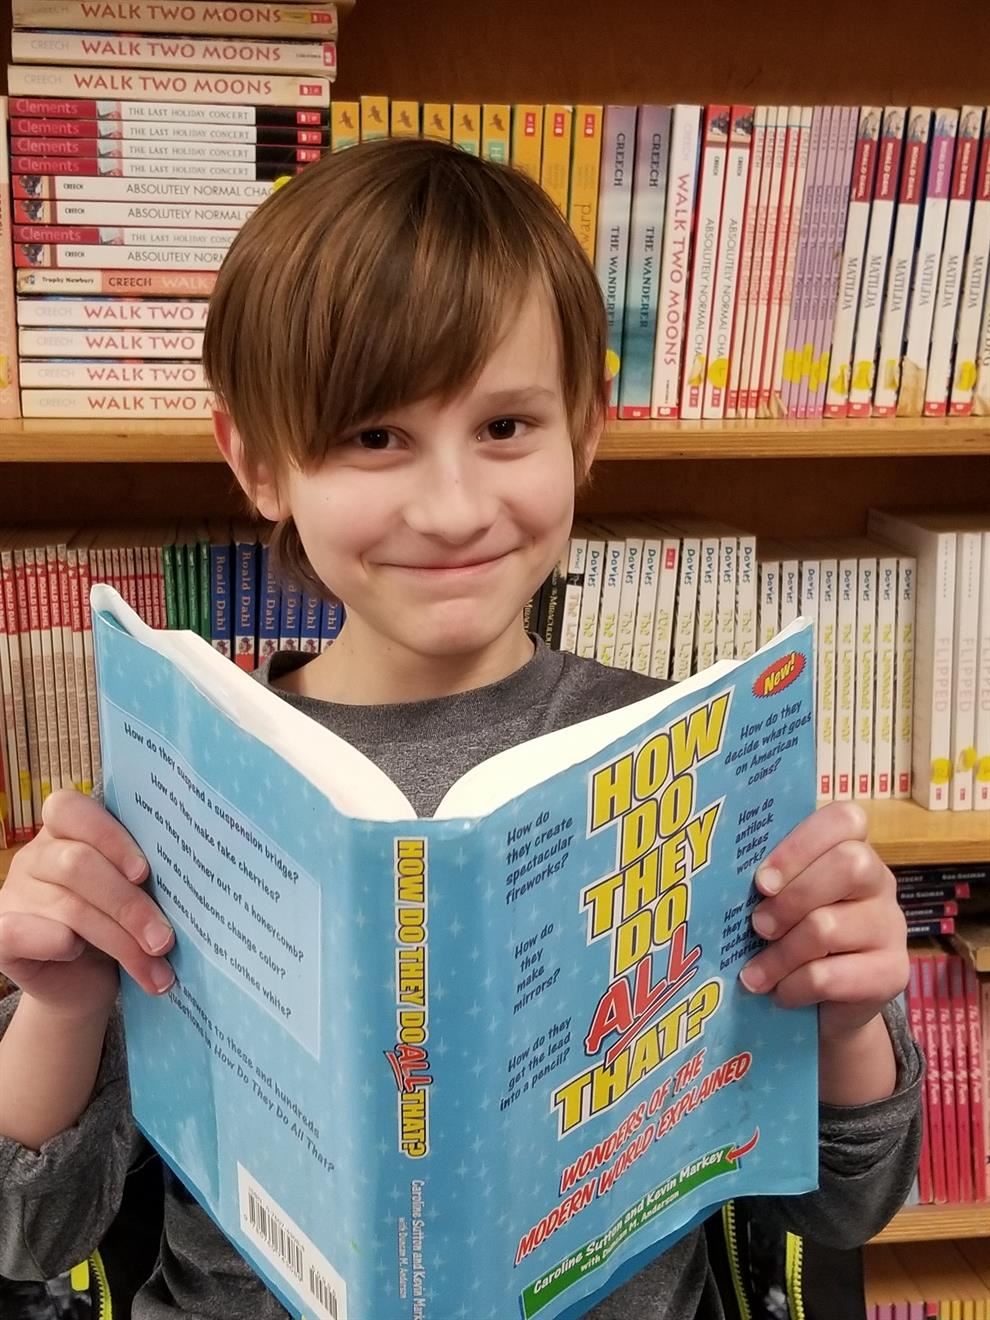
<point x="192" y="587"/>
<point x="168" y="573"/>
<point x="205" y="588"/>
<point x="181" y="593"/>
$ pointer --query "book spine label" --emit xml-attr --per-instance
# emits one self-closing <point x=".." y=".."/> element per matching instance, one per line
<point x="113" y="50"/>
<point x="32" y="256"/>
<point x="901" y="264"/>
<point x="289" y="617"/>
<point x="904" y="676"/>
<point x="612" y="243"/>
<point x="405" y="115"/>
<point x="587" y="178"/>
<point x="725" y="625"/>
<point x="973" y="288"/>
<point x="27" y="81"/>
<point x="804" y="259"/>
<point x="345" y="124"/>
<point x="707" y="613"/>
<point x="150" y="283"/>
<point x="864" y="174"/>
<point x="608" y="616"/>
<point x="527" y="139"/>
<point x="780" y="239"/>
<point x="225" y="219"/>
<point x="496" y="132"/>
<point x="646" y="606"/>
<point x="883" y="739"/>
<point x="331" y="622"/>
<point x="594" y="571"/>
<point x="965" y="669"/>
<point x="54" y="136"/>
<point x="311" y="617"/>
<point x="53" y="373"/>
<point x="103" y="150"/>
<point x="111" y="343"/>
<point x="32" y="187"/>
<point x="675" y="263"/>
<point x="577" y="554"/>
<point x="465" y="130"/>
<point x="825" y="676"/>
<point x="625" y="629"/>
<point x="117" y="403"/>
<point x="663" y="625"/>
<point x="704" y="259"/>
<point x="748" y="241"/>
<point x="132" y="236"/>
<point x="914" y="367"/>
<point x="769" y="600"/>
<point x="26" y="167"/>
<point x="245" y="18"/>
<point x="555" y="175"/>
<point x="776" y="406"/>
<point x="122" y="117"/>
<point x="790" y="599"/>
<point x="746" y="589"/>
<point x="866" y="643"/>
<point x="639" y="327"/>
<point x="951" y="275"/>
<point x="687" y="600"/>
<point x="845" y="680"/>
<point x="375" y="118"/>
<point x="9" y="401"/>
<point x="981" y="760"/>
<point x="725" y="284"/>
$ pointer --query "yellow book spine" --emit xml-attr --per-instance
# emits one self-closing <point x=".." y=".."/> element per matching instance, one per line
<point x="555" y="174"/>
<point x="345" y="124"/>
<point x="466" y="132"/>
<point x="405" y="119"/>
<point x="374" y="118"/>
<point x="436" y="121"/>
<point x="527" y="139"/>
<point x="586" y="162"/>
<point x="495" y="133"/>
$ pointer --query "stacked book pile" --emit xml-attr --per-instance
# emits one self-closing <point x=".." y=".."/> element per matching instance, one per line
<point x="140" y="138"/>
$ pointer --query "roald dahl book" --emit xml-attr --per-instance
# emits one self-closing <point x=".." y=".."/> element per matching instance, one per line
<point x="488" y="1063"/>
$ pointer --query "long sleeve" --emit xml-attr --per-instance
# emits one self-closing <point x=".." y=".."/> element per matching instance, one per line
<point x="868" y="1157"/>
<point x="57" y="1203"/>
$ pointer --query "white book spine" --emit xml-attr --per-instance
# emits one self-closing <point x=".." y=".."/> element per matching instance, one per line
<point x="810" y="608"/>
<point x="88" y="256"/>
<point x="60" y="373"/>
<point x="787" y="293"/>
<point x="853" y="252"/>
<point x="103" y="343"/>
<point x="973" y="290"/>
<point x="68" y="723"/>
<point x="790" y="589"/>
<point x="663" y="629"/>
<point x="674" y="266"/>
<point x="901" y="265"/>
<point x="646" y="606"/>
<point x="117" y="236"/>
<point x="706" y="630"/>
<point x="965" y="668"/>
<point x="79" y="665"/>
<point x="781" y="239"/>
<point x="8" y="719"/>
<point x="866" y="651"/>
<point x="746" y="258"/>
<point x="573" y="592"/>
<point x="760" y="292"/>
<point x="241" y="55"/>
<point x="981" y="768"/>
<point x="687" y="600"/>
<point x="883" y="736"/>
<point x="845" y="679"/>
<point x="612" y="238"/>
<point x="632" y="570"/>
<point x="951" y="274"/>
<point x="704" y="260"/>
<point x="725" y="628"/>
<point x="114" y="214"/>
<point x="769" y="600"/>
<point x="608" y="614"/>
<point x="117" y="403"/>
<point x="248" y="17"/>
<point x="746" y="598"/>
<point x="914" y="367"/>
<point x="591" y="594"/>
<point x="825" y="684"/>
<point x="108" y="188"/>
<point x="9" y="404"/>
<point x="237" y="89"/>
<point x="727" y="266"/>
<point x="115" y="313"/>
<point x="907" y="574"/>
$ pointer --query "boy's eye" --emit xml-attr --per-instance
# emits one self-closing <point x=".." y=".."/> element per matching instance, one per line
<point x="375" y="438"/>
<point x="503" y="428"/>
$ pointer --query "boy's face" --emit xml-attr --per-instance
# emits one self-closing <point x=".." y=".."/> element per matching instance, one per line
<point x="435" y="524"/>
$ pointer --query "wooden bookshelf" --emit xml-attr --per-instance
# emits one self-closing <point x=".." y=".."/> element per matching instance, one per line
<point x="923" y="1223"/>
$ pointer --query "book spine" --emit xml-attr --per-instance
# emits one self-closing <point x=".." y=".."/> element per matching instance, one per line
<point x="496" y="132"/>
<point x="573" y="590"/>
<point x="914" y="365"/>
<point x="245" y="621"/>
<point x="911" y="894"/>
<point x="594" y="572"/>
<point x="687" y="599"/>
<point x="65" y="696"/>
<point x="707" y="613"/>
<point x="746" y="587"/>
<point x="114" y="51"/>
<point x="725" y="283"/>
<point x="675" y="262"/>
<point x="639" y="328"/>
<point x="222" y="219"/>
<point x="203" y="584"/>
<point x="221" y="623"/>
<point x="588" y="166"/>
<point x="107" y="188"/>
<point x="39" y="626"/>
<point x="37" y="758"/>
<point x="646" y="606"/>
<point x="981" y="762"/>
<point x="951" y="275"/>
<point x="527" y="139"/>
<point x="811" y="591"/>
<point x="289" y="617"/>
<point x="47" y="81"/>
<point x="864" y="176"/>
<point x="866" y="643"/>
<point x="789" y="591"/>
<point x="781" y="237"/>
<point x="466" y="128"/>
<point x="761" y="301"/>
<point x="977" y="1083"/>
<point x="965" y="669"/>
<point x="71" y="256"/>
<point x="89" y="662"/>
<point x="26" y="167"/>
<point x="612" y="245"/>
<point x="555" y="174"/>
<point x="916" y="1024"/>
<point x="20" y="685"/>
<point x="374" y="118"/>
<point x="9" y="402"/>
<point x="845" y="678"/>
<point x="901" y="265"/>
<point x="71" y="136"/>
<point x="331" y="622"/>
<point x="663" y="626"/>
<point x="820" y="256"/>
<point x="947" y="1072"/>
<point x="883" y="741"/>
<point x="345" y="124"/>
<point x="725" y="625"/>
<point x="120" y="114"/>
<point x="183" y="284"/>
<point x="769" y="611"/>
<point x="804" y="259"/>
<point x="973" y="288"/>
<point x="704" y="259"/>
<point x="746" y="313"/>
<point x="311" y="617"/>
<point x="246" y="18"/>
<point x="960" y="1055"/>
<point x="933" y="1090"/>
<point x="128" y="403"/>
<point x="114" y="343"/>
<point x="832" y="265"/>
<point x="825" y="684"/>
<point x="11" y="822"/>
<point x="625" y="630"/>
<point x="776" y="407"/>
<point x="747" y="244"/>
<point x="904" y="677"/>
<point x="608" y="615"/>
<point x="916" y="911"/>
<point x="404" y="118"/>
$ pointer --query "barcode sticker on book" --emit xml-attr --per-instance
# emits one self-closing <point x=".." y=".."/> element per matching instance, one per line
<point x="290" y="1251"/>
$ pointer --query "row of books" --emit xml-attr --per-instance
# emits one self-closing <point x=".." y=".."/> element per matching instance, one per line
<point x="934" y="897"/>
<point x="188" y="102"/>
<point x="929" y="1281"/>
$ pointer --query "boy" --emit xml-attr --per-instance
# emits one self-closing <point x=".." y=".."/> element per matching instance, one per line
<point x="407" y="346"/>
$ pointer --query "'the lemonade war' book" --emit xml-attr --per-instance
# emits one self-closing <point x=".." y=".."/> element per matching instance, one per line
<point x="485" y="1064"/>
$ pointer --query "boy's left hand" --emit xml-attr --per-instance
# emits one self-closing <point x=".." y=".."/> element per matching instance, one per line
<point x="837" y="935"/>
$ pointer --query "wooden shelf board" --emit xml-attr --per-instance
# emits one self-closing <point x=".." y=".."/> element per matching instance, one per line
<point x="105" y="440"/>
<point x="923" y="1223"/>
<point x="6" y="857"/>
<point x="904" y="833"/>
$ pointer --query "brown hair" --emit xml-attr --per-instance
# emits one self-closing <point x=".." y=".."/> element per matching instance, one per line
<point x="380" y="276"/>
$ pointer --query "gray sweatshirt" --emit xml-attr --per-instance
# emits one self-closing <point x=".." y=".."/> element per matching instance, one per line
<point x="55" y="1204"/>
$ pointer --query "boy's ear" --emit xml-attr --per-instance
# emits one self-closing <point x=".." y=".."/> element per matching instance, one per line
<point x="259" y="486"/>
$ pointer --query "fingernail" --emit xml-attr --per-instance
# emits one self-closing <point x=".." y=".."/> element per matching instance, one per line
<point x="136" y="868"/>
<point x="157" y="935"/>
<point x="162" y="976"/>
<point x="764" y="924"/>
<point x="752" y="978"/>
<point x="769" y="879"/>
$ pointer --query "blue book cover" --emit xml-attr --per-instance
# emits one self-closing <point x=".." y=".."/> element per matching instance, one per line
<point x="488" y="1063"/>
<point x="269" y="607"/>
<point x="221" y="619"/>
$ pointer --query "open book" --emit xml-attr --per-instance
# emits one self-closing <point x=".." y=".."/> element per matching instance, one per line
<point x="487" y="1063"/>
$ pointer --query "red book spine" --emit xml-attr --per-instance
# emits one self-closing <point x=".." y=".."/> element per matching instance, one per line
<point x="960" y="1047"/>
<point x="933" y="1091"/>
<point x="977" y="1090"/>
<point x="916" y="1023"/>
<point x="947" y="1070"/>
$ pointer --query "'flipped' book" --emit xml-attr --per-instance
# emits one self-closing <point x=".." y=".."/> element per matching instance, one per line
<point x="484" y="1064"/>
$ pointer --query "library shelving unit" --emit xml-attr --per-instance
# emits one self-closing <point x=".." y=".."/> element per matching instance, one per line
<point x="776" y="479"/>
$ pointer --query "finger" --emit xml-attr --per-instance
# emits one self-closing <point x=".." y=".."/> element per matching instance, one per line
<point x="70" y="866"/>
<point x="823" y="829"/>
<point x="849" y="870"/>
<point x="837" y="929"/>
<point x="70" y="815"/>
<point x="26" y="937"/>
<point x="852" y="978"/>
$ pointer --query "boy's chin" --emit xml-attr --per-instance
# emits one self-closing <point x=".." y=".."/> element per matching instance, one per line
<point x="464" y="638"/>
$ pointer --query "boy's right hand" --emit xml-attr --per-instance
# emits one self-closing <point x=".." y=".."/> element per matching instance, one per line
<point x="72" y="908"/>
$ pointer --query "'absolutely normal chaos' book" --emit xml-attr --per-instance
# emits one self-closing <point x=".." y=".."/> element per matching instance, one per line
<point x="483" y="1064"/>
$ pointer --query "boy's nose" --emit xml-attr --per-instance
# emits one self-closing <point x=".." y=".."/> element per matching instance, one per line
<point x="452" y="501"/>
